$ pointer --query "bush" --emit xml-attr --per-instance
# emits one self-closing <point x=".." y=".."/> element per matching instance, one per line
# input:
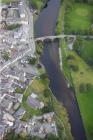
<point x="89" y="86"/>
<point x="13" y="26"/>
<point x="39" y="66"/>
<point x="78" y="45"/>
<point x="5" y="55"/>
<point x="43" y="76"/>
<point x="32" y="61"/>
<point x="39" y="48"/>
<point x="47" y="93"/>
<point x="19" y="90"/>
<point x="74" y="67"/>
<point x="70" y="57"/>
<point x="82" y="87"/>
<point x="48" y="108"/>
<point x="85" y="87"/>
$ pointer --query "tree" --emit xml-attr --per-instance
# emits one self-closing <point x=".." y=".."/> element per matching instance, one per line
<point x="13" y="136"/>
<point x="78" y="45"/>
<point x="47" y="93"/>
<point x="32" y="60"/>
<point x="51" y="137"/>
<point x="74" y="67"/>
<point x="82" y="87"/>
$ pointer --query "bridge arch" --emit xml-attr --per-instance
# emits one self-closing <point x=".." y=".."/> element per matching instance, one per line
<point x="48" y="40"/>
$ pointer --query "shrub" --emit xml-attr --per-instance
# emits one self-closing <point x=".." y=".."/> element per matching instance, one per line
<point x="82" y="87"/>
<point x="74" y="67"/>
<point x="13" y="26"/>
<point x="89" y="86"/>
<point x="85" y="87"/>
<point x="47" y="93"/>
<point x="32" y="60"/>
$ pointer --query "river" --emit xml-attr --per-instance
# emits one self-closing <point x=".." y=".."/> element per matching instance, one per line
<point x="45" y="25"/>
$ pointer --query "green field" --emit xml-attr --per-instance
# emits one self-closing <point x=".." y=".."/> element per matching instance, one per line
<point x="84" y="75"/>
<point x="85" y="100"/>
<point x="78" y="19"/>
<point x="86" y="51"/>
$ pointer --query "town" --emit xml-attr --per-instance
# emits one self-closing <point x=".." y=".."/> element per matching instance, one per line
<point x="17" y="47"/>
<point x="46" y="70"/>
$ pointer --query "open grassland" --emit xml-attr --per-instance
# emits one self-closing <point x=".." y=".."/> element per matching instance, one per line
<point x="84" y="74"/>
<point x="85" y="100"/>
<point x="86" y="51"/>
<point x="78" y="19"/>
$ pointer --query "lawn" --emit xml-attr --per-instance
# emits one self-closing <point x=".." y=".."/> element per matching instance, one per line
<point x="86" y="51"/>
<point x="83" y="75"/>
<point x="79" y="19"/>
<point x="85" y="100"/>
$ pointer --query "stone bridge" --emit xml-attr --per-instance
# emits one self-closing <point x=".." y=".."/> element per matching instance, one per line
<point x="61" y="36"/>
<point x="54" y="37"/>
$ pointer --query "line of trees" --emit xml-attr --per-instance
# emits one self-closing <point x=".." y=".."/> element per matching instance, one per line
<point x="85" y="1"/>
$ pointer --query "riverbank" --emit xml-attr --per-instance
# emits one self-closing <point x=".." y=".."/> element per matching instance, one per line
<point x="37" y="4"/>
<point x="45" y="25"/>
<point x="60" y="22"/>
<point x="80" y="75"/>
<point x="63" y="58"/>
<point x="61" y="115"/>
<point x="40" y="85"/>
<point x="85" y="97"/>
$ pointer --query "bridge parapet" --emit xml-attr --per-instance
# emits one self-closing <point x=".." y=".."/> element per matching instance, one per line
<point x="54" y="37"/>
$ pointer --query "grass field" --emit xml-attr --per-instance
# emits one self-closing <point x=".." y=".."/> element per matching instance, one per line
<point x="79" y="19"/>
<point x="85" y="100"/>
<point x="83" y="75"/>
<point x="86" y="51"/>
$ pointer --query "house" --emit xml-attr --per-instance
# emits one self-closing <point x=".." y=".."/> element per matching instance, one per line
<point x="22" y="10"/>
<point x="33" y="95"/>
<point x="34" y="102"/>
<point x="19" y="97"/>
<point x="7" y="104"/>
<point x="2" y="132"/>
<point x="8" y="119"/>
<point x="3" y="24"/>
<point x="4" y="12"/>
<point x="19" y="113"/>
